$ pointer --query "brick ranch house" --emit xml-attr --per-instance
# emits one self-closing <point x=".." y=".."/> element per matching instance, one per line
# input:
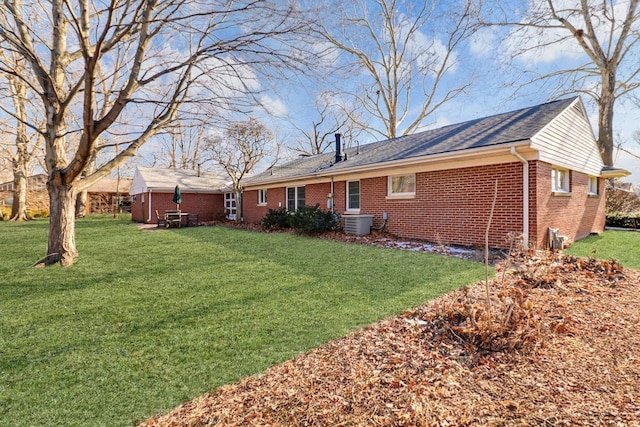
<point x="438" y="185"/>
<point x="152" y="189"/>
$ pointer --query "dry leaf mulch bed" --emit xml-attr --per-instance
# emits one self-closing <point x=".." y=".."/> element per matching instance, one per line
<point x="561" y="347"/>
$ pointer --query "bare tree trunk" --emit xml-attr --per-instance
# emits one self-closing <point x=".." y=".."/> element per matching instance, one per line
<point x="19" y="208"/>
<point x="605" y="116"/>
<point x="238" y="205"/>
<point x="61" y="242"/>
<point x="81" y="204"/>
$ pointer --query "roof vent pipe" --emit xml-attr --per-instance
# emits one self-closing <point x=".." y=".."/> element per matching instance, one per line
<point x="338" y="153"/>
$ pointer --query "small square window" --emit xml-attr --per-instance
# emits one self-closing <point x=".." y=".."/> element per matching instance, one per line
<point x="593" y="186"/>
<point x="262" y="197"/>
<point x="402" y="185"/>
<point x="560" y="180"/>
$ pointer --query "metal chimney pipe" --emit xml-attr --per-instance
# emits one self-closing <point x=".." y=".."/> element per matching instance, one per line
<point x="338" y="153"/>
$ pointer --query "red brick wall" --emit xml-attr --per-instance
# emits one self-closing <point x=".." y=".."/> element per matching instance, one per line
<point x="137" y="213"/>
<point x="576" y="215"/>
<point x="449" y="207"/>
<point x="453" y="206"/>
<point x="276" y="197"/>
<point x="209" y="206"/>
<point x="252" y="213"/>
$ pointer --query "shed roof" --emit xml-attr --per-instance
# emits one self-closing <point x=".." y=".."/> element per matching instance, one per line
<point x="111" y="185"/>
<point x="164" y="180"/>
<point x="500" y="129"/>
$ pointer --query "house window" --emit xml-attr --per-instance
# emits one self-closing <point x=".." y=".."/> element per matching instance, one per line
<point x="262" y="197"/>
<point x="593" y="186"/>
<point x="559" y="180"/>
<point x="295" y="198"/>
<point x="134" y="198"/>
<point x="353" y="195"/>
<point x="402" y="185"/>
<point x="230" y="205"/>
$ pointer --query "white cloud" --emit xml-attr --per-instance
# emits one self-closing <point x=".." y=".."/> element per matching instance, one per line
<point x="483" y="43"/>
<point x="274" y="106"/>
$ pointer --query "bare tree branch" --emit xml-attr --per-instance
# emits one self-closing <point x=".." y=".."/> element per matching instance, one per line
<point x="119" y="72"/>
<point x="407" y="52"/>
<point x="609" y="42"/>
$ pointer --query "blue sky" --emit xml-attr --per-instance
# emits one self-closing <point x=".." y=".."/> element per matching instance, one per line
<point x="486" y="57"/>
<point x="291" y="101"/>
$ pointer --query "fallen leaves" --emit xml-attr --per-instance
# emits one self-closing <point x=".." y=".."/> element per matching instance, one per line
<point x="559" y="346"/>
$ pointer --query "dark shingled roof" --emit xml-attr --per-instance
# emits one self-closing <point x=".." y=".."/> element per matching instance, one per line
<point x="514" y="126"/>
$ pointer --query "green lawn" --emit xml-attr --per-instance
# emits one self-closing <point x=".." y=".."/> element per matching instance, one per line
<point x="623" y="246"/>
<point x="145" y="320"/>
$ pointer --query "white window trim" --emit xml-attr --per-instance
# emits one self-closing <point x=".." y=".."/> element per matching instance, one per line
<point x="592" y="180"/>
<point x="405" y="195"/>
<point x="262" y="197"/>
<point x="296" y="197"/>
<point x="565" y="185"/>
<point x="349" y="210"/>
<point x="231" y="210"/>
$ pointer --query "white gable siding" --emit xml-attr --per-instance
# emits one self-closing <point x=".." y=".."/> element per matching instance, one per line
<point x="568" y="141"/>
<point x="138" y="185"/>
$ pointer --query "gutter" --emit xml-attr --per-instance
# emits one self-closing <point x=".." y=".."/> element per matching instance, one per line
<point x="149" y="203"/>
<point x="525" y="196"/>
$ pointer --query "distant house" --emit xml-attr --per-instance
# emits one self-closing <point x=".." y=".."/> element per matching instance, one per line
<point x="625" y="186"/>
<point x="37" y="196"/>
<point x="153" y="188"/>
<point x="36" y="183"/>
<point x="438" y="185"/>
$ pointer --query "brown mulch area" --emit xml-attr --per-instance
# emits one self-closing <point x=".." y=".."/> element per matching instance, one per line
<point x="560" y="347"/>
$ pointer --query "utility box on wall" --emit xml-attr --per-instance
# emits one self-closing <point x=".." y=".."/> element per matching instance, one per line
<point x="358" y="224"/>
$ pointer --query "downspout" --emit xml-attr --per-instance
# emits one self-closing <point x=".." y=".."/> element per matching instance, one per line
<point x="333" y="198"/>
<point x="525" y="197"/>
<point x="149" y="203"/>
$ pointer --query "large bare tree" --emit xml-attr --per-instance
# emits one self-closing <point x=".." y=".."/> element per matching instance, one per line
<point x="158" y="55"/>
<point x="239" y="150"/>
<point x="403" y="55"/>
<point x="597" y="51"/>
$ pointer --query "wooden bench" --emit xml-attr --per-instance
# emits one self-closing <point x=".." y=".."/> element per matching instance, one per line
<point x="173" y="218"/>
<point x="162" y="221"/>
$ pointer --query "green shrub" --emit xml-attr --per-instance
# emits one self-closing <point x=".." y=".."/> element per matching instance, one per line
<point x="623" y="220"/>
<point x="276" y="219"/>
<point x="312" y="220"/>
<point x="220" y="216"/>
